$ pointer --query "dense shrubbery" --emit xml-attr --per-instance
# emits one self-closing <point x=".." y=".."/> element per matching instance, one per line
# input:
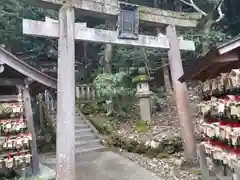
<point x="116" y="91"/>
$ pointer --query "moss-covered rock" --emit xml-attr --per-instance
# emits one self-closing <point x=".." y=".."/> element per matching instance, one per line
<point x="142" y="126"/>
<point x="133" y="145"/>
<point x="150" y="148"/>
<point x="141" y="78"/>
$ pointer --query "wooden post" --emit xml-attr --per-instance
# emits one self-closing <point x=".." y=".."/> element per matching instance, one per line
<point x="181" y="95"/>
<point x="77" y="92"/>
<point x="88" y="93"/>
<point x="31" y="129"/>
<point x="166" y="76"/>
<point x="93" y="93"/>
<point x="203" y="162"/>
<point x="83" y="92"/>
<point x="41" y="113"/>
<point x="66" y="95"/>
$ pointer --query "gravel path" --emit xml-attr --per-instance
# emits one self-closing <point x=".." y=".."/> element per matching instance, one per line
<point x="166" y="168"/>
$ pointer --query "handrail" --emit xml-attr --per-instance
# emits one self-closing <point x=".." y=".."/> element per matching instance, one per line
<point x="84" y="93"/>
<point x="49" y="100"/>
<point x="45" y="113"/>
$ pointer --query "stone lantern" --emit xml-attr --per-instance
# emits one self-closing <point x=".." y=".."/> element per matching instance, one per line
<point x="143" y="94"/>
<point x="142" y="86"/>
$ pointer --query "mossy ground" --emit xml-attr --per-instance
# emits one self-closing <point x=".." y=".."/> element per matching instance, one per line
<point x="108" y="127"/>
<point x="141" y="127"/>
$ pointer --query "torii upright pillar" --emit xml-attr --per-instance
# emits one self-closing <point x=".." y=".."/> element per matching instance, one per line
<point x="181" y="95"/>
<point x="66" y="95"/>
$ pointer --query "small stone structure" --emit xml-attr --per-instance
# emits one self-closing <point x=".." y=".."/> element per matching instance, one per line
<point x="143" y="93"/>
<point x="85" y="92"/>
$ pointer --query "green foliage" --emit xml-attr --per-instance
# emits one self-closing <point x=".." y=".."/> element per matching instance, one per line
<point x="92" y="108"/>
<point x="114" y="89"/>
<point x="11" y="35"/>
<point x="213" y="39"/>
<point x="103" y="124"/>
<point x="113" y="85"/>
<point x="106" y="128"/>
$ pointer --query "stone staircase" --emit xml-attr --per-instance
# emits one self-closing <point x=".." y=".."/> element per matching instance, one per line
<point x="88" y="146"/>
<point x="87" y="139"/>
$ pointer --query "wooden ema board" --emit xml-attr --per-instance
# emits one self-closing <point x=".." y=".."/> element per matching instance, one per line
<point x="220" y="126"/>
<point x="15" y="139"/>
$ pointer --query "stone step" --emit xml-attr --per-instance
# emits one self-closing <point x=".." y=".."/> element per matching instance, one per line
<point x="79" y="120"/>
<point x="81" y="126"/>
<point x="81" y="132"/>
<point x="86" y="145"/>
<point x="80" y="123"/>
<point x="93" y="149"/>
<point x="86" y="136"/>
<point x="77" y="116"/>
<point x="82" y="144"/>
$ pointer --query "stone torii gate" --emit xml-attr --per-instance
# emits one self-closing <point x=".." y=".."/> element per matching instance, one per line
<point x="67" y="31"/>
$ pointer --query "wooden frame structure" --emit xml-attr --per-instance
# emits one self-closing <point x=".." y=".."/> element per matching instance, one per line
<point x="25" y="70"/>
<point x="219" y="59"/>
<point x="17" y="73"/>
<point x="67" y="31"/>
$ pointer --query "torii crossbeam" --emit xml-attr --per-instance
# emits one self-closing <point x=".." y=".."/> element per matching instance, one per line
<point x="109" y="9"/>
<point x="50" y="29"/>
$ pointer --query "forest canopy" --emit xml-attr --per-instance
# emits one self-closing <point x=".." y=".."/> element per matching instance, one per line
<point x="221" y="20"/>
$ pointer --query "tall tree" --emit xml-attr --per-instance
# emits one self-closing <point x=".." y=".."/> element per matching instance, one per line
<point x="213" y="16"/>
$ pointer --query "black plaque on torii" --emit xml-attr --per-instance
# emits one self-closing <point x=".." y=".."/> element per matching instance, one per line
<point x="128" y="21"/>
